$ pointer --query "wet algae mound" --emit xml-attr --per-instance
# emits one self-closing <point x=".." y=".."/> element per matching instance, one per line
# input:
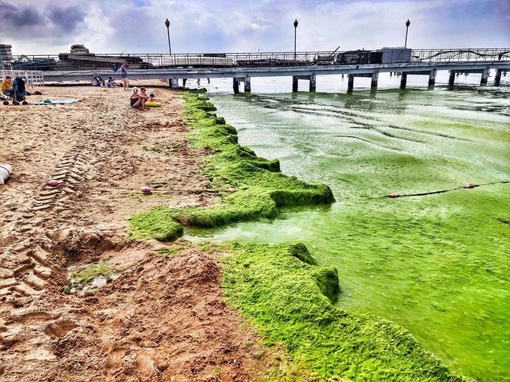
<point x="250" y="187"/>
<point x="280" y="289"/>
<point x="290" y="301"/>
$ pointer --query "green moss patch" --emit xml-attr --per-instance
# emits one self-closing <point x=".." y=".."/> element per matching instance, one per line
<point x="158" y="223"/>
<point x="289" y="301"/>
<point x="91" y="276"/>
<point x="253" y="187"/>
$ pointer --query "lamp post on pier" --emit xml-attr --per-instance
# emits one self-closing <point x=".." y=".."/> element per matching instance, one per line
<point x="295" y="34"/>
<point x="167" y="23"/>
<point x="407" y="29"/>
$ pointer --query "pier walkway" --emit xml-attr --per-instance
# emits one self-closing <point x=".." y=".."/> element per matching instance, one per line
<point x="242" y="67"/>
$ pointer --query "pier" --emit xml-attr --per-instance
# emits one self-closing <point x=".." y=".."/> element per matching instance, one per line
<point x="243" y="68"/>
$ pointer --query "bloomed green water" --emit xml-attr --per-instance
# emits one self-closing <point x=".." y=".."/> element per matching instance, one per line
<point x="438" y="264"/>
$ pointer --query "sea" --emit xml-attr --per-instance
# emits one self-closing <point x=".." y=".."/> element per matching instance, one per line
<point x="420" y="229"/>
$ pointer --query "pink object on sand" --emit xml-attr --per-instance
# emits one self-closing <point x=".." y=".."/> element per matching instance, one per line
<point x="54" y="182"/>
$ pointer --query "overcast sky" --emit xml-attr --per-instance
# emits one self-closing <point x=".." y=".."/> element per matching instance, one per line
<point x="196" y="26"/>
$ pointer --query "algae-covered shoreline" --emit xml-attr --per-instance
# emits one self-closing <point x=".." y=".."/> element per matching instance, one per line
<point x="250" y="187"/>
<point x="280" y="289"/>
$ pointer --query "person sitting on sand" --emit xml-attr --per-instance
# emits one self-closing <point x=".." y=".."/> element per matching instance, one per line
<point x="111" y="83"/>
<point x="152" y="98"/>
<point x="97" y="80"/>
<point x="137" y="100"/>
<point x="143" y="95"/>
<point x="7" y="87"/>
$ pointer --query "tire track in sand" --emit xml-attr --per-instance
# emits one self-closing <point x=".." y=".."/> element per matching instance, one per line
<point x="24" y="267"/>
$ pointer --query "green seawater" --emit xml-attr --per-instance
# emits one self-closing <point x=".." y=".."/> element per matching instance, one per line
<point x="435" y="259"/>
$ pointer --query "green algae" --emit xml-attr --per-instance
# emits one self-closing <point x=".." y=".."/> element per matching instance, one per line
<point x="92" y="271"/>
<point x="159" y="223"/>
<point x="288" y="302"/>
<point x="436" y="264"/>
<point x="280" y="288"/>
<point x="253" y="187"/>
<point x="91" y="277"/>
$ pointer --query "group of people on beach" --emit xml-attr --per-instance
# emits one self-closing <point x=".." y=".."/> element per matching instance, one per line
<point x="97" y="80"/>
<point x="140" y="97"/>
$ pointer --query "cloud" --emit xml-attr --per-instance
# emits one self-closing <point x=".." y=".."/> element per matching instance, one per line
<point x="137" y="26"/>
<point x="35" y="27"/>
<point x="65" y="20"/>
<point x="12" y="17"/>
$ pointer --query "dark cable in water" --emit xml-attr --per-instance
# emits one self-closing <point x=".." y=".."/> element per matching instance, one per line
<point x="467" y="186"/>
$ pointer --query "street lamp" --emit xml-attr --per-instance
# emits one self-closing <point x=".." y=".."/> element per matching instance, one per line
<point x="295" y="32"/>
<point x="167" y="23"/>
<point x="407" y="29"/>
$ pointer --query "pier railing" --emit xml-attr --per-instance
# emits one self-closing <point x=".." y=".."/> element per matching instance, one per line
<point x="456" y="55"/>
<point x="63" y="62"/>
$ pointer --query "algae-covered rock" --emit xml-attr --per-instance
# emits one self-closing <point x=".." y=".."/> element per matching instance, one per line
<point x="231" y="129"/>
<point x="206" y="106"/>
<point x="320" y="194"/>
<point x="327" y="280"/>
<point x="220" y="121"/>
<point x="326" y="277"/>
<point x="301" y="252"/>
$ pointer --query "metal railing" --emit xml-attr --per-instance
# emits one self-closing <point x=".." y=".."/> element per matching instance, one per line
<point x="456" y="55"/>
<point x="32" y="77"/>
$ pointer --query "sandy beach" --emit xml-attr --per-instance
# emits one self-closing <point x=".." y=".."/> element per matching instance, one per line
<point x="163" y="318"/>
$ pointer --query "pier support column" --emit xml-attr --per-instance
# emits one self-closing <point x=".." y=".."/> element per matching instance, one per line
<point x="432" y="79"/>
<point x="294" y="84"/>
<point x="497" y="79"/>
<point x="173" y="83"/>
<point x="375" y="79"/>
<point x="350" y="83"/>
<point x="245" y="80"/>
<point x="247" y="84"/>
<point x="451" y="80"/>
<point x="485" y="77"/>
<point x="403" y="80"/>
<point x="236" y="85"/>
<point x="313" y="83"/>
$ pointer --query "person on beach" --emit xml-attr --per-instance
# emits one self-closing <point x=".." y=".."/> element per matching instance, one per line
<point x="152" y="98"/>
<point x="111" y="83"/>
<point x="137" y="100"/>
<point x="97" y="80"/>
<point x="124" y="76"/>
<point x="144" y="97"/>
<point x="7" y="87"/>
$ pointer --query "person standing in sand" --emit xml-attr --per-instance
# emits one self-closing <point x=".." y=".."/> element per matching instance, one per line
<point x="124" y="76"/>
